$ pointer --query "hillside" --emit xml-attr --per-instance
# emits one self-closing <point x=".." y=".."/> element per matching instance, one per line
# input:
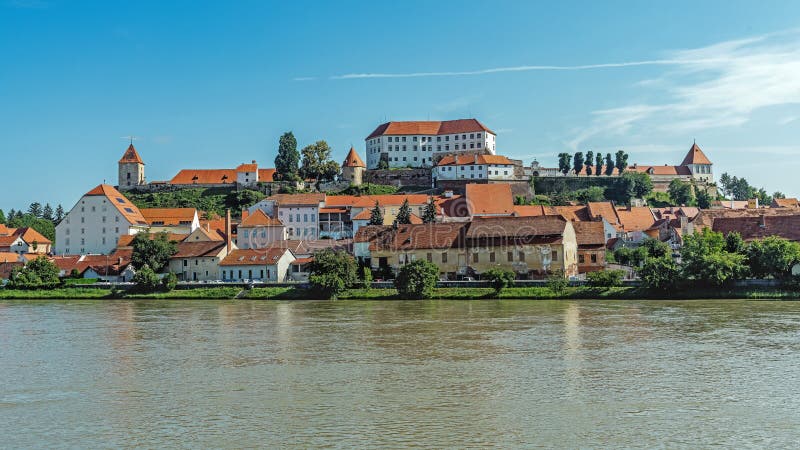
<point x="212" y="201"/>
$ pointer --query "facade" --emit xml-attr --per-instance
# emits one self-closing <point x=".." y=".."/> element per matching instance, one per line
<point x="353" y="168"/>
<point x="258" y="230"/>
<point x="265" y="265"/>
<point x="96" y="222"/>
<point x="475" y="168"/>
<point x="131" y="170"/>
<point x="591" y="239"/>
<point x="198" y="261"/>
<point x="246" y="175"/>
<point x="298" y="212"/>
<point x="415" y="144"/>
<point x="23" y="241"/>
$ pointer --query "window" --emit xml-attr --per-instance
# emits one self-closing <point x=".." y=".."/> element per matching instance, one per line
<point x="479" y="135"/>
<point x="404" y="139"/>
<point x="430" y="257"/>
<point x="491" y="257"/>
<point x="447" y="146"/>
<point x="414" y="139"/>
<point x="510" y="256"/>
<point x="463" y="136"/>
<point x="129" y="210"/>
<point x="463" y="146"/>
<point x="185" y="262"/>
<point x="438" y="139"/>
<point x="447" y="138"/>
<point x="415" y="148"/>
<point x="444" y="257"/>
<point x="438" y="148"/>
<point x="479" y="145"/>
<point x="471" y="145"/>
<point x="554" y="255"/>
<point x="456" y="138"/>
<point x="83" y="220"/>
<point x="475" y="257"/>
<point x="298" y="217"/>
<point x="594" y="258"/>
<point x="581" y="259"/>
<point x="472" y="136"/>
<point x="305" y="217"/>
<point x="522" y="256"/>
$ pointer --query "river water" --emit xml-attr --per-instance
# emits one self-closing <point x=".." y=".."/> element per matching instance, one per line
<point x="503" y="374"/>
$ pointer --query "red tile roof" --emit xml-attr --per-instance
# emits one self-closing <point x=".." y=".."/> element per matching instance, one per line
<point x="123" y="205"/>
<point x="204" y="176"/>
<point x="489" y="199"/>
<point x="695" y="156"/>
<point x="468" y="160"/>
<point x="247" y="168"/>
<point x="429" y="128"/>
<point x="259" y="219"/>
<point x="298" y="199"/>
<point x="199" y="249"/>
<point x="169" y="216"/>
<point x="131" y="156"/>
<point x="353" y="160"/>
<point x="412" y="237"/>
<point x="638" y="218"/>
<point x="785" y="203"/>
<point x="606" y="211"/>
<point x="254" y="257"/>
<point x="759" y="227"/>
<point x="266" y="175"/>
<point x="516" y="227"/>
<point x="590" y="233"/>
<point x="660" y="170"/>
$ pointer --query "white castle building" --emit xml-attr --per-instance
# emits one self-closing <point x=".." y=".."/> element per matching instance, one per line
<point x="414" y="144"/>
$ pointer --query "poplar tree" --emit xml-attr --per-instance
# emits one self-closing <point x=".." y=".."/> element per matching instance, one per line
<point x="577" y="163"/>
<point x="404" y="214"/>
<point x="429" y="214"/>
<point x="287" y="162"/>
<point x="609" y="165"/>
<point x="376" y="216"/>
<point x="35" y="209"/>
<point x="598" y="164"/>
<point x="621" y="162"/>
<point x="589" y="162"/>
<point x="2" y="217"/>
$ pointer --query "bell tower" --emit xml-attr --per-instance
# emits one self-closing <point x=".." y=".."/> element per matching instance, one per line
<point x="131" y="170"/>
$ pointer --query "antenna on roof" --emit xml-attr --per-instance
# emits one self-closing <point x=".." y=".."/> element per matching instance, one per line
<point x="130" y="138"/>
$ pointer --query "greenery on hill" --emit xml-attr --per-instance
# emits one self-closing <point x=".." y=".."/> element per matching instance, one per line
<point x="621" y="189"/>
<point x="213" y="201"/>
<point x="367" y="189"/>
<point x="41" y="218"/>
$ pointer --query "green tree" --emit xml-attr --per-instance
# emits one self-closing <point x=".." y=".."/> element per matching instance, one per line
<point x="590" y="194"/>
<point x="609" y="165"/>
<point x="621" y="161"/>
<point x="429" y="213"/>
<point x="169" y="282"/>
<point x="605" y="278"/>
<point x="680" y="192"/>
<point x="577" y="162"/>
<point x="35" y="209"/>
<point x="773" y="257"/>
<point x="332" y="272"/>
<point x="735" y="244"/>
<point x="47" y="212"/>
<point x="499" y="279"/>
<point x="404" y="214"/>
<point x="383" y="164"/>
<point x="44" y="227"/>
<point x="417" y="280"/>
<point x="153" y="253"/>
<point x="706" y="260"/>
<point x="778" y="194"/>
<point x="564" y="164"/>
<point x="376" y="215"/>
<point x="2" y="217"/>
<point x="146" y="279"/>
<point x="659" y="273"/>
<point x="598" y="164"/>
<point x="11" y="215"/>
<point x="288" y="159"/>
<point x="40" y="273"/>
<point x="239" y="200"/>
<point x="703" y="198"/>
<point x="317" y="163"/>
<point x="59" y="213"/>
<point x="642" y="185"/>
<point x="589" y="162"/>
<point x="366" y="277"/>
<point x="656" y="249"/>
<point x="557" y="282"/>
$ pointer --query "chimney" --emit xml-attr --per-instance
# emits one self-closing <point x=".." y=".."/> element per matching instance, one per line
<point x="228" y="229"/>
<point x="475" y="158"/>
<point x="254" y="161"/>
<point x="756" y="202"/>
<point x="763" y="223"/>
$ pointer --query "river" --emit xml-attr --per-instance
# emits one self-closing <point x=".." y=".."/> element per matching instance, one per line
<point x="200" y="374"/>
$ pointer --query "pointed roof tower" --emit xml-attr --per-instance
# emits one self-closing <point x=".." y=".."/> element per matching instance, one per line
<point x="353" y="160"/>
<point x="695" y="156"/>
<point x="131" y="156"/>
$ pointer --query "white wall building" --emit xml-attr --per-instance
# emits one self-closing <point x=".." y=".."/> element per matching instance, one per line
<point x="474" y="167"/>
<point x="268" y="265"/>
<point x="95" y="223"/>
<point x="299" y="213"/>
<point x="414" y="144"/>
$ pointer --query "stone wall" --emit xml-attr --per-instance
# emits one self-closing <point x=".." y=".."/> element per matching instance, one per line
<point x="400" y="177"/>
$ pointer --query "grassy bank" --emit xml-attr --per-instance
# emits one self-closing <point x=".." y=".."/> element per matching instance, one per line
<point x="522" y="293"/>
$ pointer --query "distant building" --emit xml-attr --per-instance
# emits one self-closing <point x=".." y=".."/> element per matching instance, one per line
<point x="131" y="170"/>
<point x="475" y="168"/>
<point x="171" y="220"/>
<point x="246" y="175"/>
<point x="414" y="144"/>
<point x="96" y="222"/>
<point x="23" y="241"/>
<point x="353" y="168"/>
<point x="269" y="264"/>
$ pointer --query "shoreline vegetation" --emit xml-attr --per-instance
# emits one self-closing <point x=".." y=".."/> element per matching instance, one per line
<point x="476" y="293"/>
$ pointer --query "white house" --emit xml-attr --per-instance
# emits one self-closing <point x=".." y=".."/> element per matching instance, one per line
<point x="414" y="144"/>
<point x="268" y="265"/>
<point x="474" y="167"/>
<point x="299" y="213"/>
<point x="258" y="230"/>
<point x="96" y="222"/>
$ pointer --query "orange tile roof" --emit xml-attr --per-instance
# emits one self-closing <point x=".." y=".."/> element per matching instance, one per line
<point x="529" y="210"/>
<point x="131" y="156"/>
<point x="363" y="215"/>
<point x="785" y="203"/>
<point x="660" y="170"/>
<point x="247" y="168"/>
<point x="298" y="199"/>
<point x="259" y="219"/>
<point x="429" y="127"/>
<point x="204" y="176"/>
<point x="266" y="175"/>
<point x="638" y="218"/>
<point x="759" y="227"/>
<point x="353" y="160"/>
<point x="198" y="249"/>
<point x="9" y="257"/>
<point x="489" y="199"/>
<point x="468" y="160"/>
<point x="516" y="227"/>
<point x="571" y="213"/>
<point x="168" y="216"/>
<point x="29" y="235"/>
<point x="412" y="237"/>
<point x="695" y="156"/>
<point x="605" y="210"/>
<point x="590" y="233"/>
<point x="254" y="257"/>
<point x="123" y="205"/>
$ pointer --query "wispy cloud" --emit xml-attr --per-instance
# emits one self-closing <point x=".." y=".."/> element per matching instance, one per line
<point x="721" y="87"/>
<point x="304" y="78"/>
<point x="788" y="120"/>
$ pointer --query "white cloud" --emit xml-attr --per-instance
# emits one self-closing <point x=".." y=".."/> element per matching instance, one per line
<point x="304" y="78"/>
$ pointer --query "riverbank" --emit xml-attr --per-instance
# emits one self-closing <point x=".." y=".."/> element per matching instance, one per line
<point x="520" y="293"/>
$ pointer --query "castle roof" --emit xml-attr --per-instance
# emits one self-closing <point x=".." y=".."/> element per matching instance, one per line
<point x="131" y="156"/>
<point x="468" y="160"/>
<point x="353" y="160"/>
<point x="695" y="156"/>
<point x="429" y="127"/>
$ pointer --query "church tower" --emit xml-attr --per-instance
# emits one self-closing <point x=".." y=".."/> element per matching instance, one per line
<point x="698" y="164"/>
<point x="131" y="170"/>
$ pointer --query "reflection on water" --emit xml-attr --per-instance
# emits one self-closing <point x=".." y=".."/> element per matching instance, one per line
<point x="399" y="374"/>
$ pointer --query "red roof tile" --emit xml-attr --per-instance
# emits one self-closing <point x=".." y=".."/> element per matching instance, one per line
<point x="254" y="257"/>
<point x="489" y="199"/>
<point x="695" y="156"/>
<point x="131" y="156"/>
<point x="266" y="175"/>
<point x="353" y="160"/>
<point x="429" y="128"/>
<point x="411" y="237"/>
<point x="204" y="176"/>
<point x="199" y="249"/>
<point x="123" y="205"/>
<point x="298" y="199"/>
<point x="468" y="160"/>
<point x="169" y="216"/>
<point x="259" y="219"/>
<point x="759" y="227"/>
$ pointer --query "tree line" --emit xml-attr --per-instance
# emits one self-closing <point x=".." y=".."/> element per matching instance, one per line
<point x="594" y="163"/>
<point x="41" y="218"/>
<point x="313" y="162"/>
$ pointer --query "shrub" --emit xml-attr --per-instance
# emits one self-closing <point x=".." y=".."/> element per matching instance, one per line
<point x="499" y="279"/>
<point x="557" y="282"/>
<point x="659" y="273"/>
<point x="169" y="282"/>
<point x="146" y="280"/>
<point x="366" y="277"/>
<point x="416" y="280"/>
<point x="332" y="272"/>
<point x="605" y="278"/>
<point x="40" y="273"/>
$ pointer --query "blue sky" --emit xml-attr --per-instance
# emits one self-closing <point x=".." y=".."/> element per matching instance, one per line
<point x="213" y="84"/>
